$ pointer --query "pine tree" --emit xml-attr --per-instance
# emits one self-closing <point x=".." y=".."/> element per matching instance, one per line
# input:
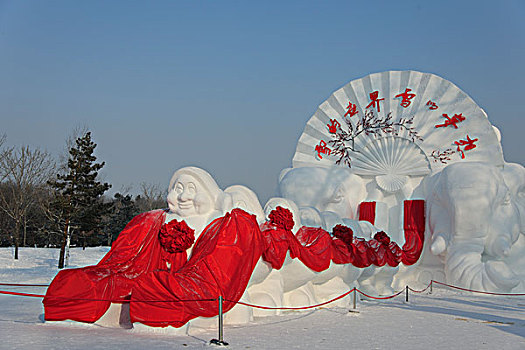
<point x="79" y="192"/>
<point x="122" y="211"/>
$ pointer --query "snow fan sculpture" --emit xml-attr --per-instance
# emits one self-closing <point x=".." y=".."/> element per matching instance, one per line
<point x="398" y="177"/>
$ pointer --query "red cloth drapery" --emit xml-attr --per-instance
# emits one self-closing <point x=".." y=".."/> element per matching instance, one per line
<point x="139" y="271"/>
<point x="136" y="252"/>
<point x="414" y="227"/>
<point x="367" y="212"/>
<point x="222" y="263"/>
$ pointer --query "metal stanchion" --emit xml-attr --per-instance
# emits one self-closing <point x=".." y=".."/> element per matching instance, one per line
<point x="406" y="294"/>
<point x="220" y="341"/>
<point x="354" y="301"/>
<point x="431" y="281"/>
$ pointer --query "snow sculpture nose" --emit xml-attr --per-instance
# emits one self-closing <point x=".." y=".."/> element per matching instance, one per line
<point x="186" y="195"/>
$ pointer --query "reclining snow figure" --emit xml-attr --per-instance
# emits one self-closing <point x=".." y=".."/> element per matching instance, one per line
<point x="149" y="260"/>
<point x="161" y="271"/>
<point x="476" y="215"/>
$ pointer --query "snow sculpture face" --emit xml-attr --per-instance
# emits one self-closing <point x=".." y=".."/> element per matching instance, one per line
<point x="187" y="199"/>
<point x="327" y="189"/>
<point x="474" y="221"/>
<point x="192" y="192"/>
<point x="514" y="175"/>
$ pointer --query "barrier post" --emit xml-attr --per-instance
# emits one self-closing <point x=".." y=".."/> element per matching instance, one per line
<point x="355" y="298"/>
<point x="220" y="341"/>
<point x="431" y="281"/>
<point x="406" y="294"/>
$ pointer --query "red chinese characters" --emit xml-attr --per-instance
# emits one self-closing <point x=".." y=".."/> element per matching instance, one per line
<point x="432" y="105"/>
<point x="332" y="127"/>
<point x="351" y="110"/>
<point x="322" y="148"/>
<point x="406" y="97"/>
<point x="457" y="118"/>
<point x="375" y="100"/>
<point x="467" y="145"/>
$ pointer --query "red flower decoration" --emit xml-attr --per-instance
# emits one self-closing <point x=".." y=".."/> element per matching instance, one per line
<point x="382" y="238"/>
<point x="344" y="233"/>
<point x="176" y="236"/>
<point x="282" y="218"/>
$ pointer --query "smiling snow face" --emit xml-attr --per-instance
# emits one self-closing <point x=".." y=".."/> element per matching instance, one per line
<point x="188" y="198"/>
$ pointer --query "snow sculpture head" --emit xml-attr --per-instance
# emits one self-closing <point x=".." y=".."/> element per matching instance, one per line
<point x="192" y="191"/>
<point x="333" y="189"/>
<point x="514" y="176"/>
<point x="244" y="198"/>
<point x="474" y="221"/>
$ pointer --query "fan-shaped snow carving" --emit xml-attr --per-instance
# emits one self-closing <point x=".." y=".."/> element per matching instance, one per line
<point x="391" y="160"/>
<point x="391" y="183"/>
<point x="428" y="111"/>
<point x="391" y="156"/>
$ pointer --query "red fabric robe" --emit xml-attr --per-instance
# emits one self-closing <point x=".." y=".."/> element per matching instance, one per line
<point x="136" y="252"/>
<point x="136" y="270"/>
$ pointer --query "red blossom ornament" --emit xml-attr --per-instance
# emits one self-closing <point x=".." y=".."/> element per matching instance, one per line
<point x="176" y="236"/>
<point x="344" y="233"/>
<point x="382" y="238"/>
<point x="281" y="218"/>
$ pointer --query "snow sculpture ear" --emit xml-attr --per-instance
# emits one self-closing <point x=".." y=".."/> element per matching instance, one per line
<point x="311" y="217"/>
<point x="339" y="194"/>
<point x="283" y="173"/>
<point x="498" y="133"/>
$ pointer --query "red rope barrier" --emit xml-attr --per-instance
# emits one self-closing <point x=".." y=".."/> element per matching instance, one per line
<point x="248" y="304"/>
<point x="118" y="301"/>
<point x="381" y="298"/>
<point x="479" y="291"/>
<point x="420" y="291"/>
<point x="22" y="294"/>
<point x="23" y="285"/>
<point x="292" y="308"/>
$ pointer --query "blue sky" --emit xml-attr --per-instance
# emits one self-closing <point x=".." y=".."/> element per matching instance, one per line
<point x="229" y="85"/>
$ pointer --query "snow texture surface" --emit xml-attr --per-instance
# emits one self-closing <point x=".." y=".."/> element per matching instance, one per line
<point x="444" y="319"/>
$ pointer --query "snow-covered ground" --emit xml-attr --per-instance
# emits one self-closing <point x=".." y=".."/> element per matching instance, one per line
<point x="445" y="319"/>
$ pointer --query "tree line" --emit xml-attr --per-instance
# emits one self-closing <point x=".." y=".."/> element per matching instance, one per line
<point x="50" y="203"/>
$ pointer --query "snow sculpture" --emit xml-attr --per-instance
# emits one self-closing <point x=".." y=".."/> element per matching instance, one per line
<point x="336" y="190"/>
<point x="193" y="195"/>
<point x="295" y="284"/>
<point x="474" y="215"/>
<point x="155" y="245"/>
<point x="352" y="210"/>
<point x="402" y="132"/>
<point x="331" y="196"/>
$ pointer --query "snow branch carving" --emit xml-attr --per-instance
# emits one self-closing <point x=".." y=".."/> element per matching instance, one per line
<point x="369" y="125"/>
<point x="442" y="157"/>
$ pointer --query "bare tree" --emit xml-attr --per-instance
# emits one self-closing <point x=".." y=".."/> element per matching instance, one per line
<point x="24" y="172"/>
<point x="151" y="197"/>
<point x="3" y="153"/>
